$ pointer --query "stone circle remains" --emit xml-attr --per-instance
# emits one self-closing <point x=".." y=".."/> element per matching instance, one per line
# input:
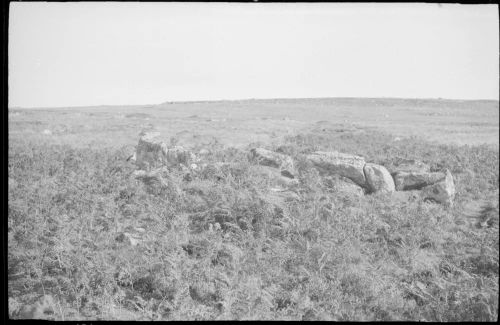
<point x="358" y="176"/>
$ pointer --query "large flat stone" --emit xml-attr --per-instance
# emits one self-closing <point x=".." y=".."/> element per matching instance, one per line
<point x="409" y="166"/>
<point x="346" y="165"/>
<point x="405" y="181"/>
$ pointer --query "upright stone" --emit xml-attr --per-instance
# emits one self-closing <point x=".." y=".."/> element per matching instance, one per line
<point x="342" y="164"/>
<point x="151" y="152"/>
<point x="378" y="178"/>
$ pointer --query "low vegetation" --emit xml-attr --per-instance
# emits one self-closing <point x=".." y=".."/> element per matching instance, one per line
<point x="218" y="244"/>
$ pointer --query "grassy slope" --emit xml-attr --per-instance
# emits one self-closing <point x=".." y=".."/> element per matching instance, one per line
<point x="221" y="247"/>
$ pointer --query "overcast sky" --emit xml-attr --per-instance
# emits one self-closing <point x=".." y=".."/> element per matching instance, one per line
<point x="76" y="54"/>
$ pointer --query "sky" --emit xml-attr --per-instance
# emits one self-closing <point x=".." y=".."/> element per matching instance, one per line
<point x="119" y="53"/>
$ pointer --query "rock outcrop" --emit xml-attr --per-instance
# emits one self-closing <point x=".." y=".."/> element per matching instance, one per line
<point x="342" y="164"/>
<point x="378" y="178"/>
<point x="276" y="160"/>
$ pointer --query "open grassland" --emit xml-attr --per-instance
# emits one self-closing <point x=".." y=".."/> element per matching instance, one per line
<point x="220" y="245"/>
<point x="238" y="123"/>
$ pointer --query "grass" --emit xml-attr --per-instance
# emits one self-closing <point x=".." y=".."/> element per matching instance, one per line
<point x="218" y="245"/>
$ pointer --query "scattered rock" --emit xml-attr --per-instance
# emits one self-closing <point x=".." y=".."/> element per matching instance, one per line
<point x="404" y="181"/>
<point x="342" y="164"/>
<point x="442" y="191"/>
<point x="378" y="178"/>
<point x="127" y="238"/>
<point x="276" y="160"/>
<point x="151" y="151"/>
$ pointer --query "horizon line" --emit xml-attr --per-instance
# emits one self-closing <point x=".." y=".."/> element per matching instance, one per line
<point x="256" y="99"/>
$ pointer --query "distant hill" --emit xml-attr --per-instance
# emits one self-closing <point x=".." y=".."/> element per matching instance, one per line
<point x="382" y="101"/>
<point x="348" y="100"/>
